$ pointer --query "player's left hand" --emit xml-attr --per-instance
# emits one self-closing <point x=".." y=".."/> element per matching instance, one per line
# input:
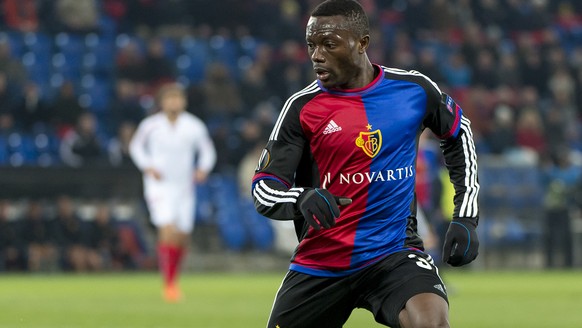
<point x="461" y="244"/>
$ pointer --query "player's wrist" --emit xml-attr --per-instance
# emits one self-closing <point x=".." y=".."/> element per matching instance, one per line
<point x="467" y="221"/>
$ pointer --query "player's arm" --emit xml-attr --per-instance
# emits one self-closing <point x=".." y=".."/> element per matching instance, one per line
<point x="273" y="184"/>
<point x="206" y="155"/>
<point x="138" y="148"/>
<point x="458" y="148"/>
<point x="447" y="121"/>
<point x="273" y="189"/>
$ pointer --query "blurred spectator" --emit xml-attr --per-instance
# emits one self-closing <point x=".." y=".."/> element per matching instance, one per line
<point x="445" y="20"/>
<point x="125" y="106"/>
<point x="528" y="15"/>
<point x="6" y="124"/>
<point x="456" y="71"/>
<point x="118" y="148"/>
<point x="221" y="95"/>
<point x="490" y="13"/>
<point x="130" y="63"/>
<point x="81" y="146"/>
<point x="427" y="65"/>
<point x="10" y="65"/>
<point x="12" y="255"/>
<point x="7" y="96"/>
<point x="101" y="240"/>
<point x="484" y="72"/>
<point x="79" y="16"/>
<point x="508" y="70"/>
<point x="416" y="17"/>
<point x="473" y="41"/>
<point x="69" y="235"/>
<point x="501" y="137"/>
<point x="530" y="131"/>
<point x="65" y="109"/>
<point x="254" y="87"/>
<point x="20" y="15"/>
<point x="560" y="178"/>
<point x="533" y="72"/>
<point x="31" y="110"/>
<point x="158" y="69"/>
<point x="38" y="234"/>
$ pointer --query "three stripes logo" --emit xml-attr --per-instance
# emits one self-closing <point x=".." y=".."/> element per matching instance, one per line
<point x="332" y="127"/>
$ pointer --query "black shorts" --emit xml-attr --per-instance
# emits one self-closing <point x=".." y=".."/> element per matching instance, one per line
<point x="383" y="288"/>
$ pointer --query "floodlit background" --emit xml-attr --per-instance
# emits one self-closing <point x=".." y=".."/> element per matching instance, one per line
<point x="77" y="76"/>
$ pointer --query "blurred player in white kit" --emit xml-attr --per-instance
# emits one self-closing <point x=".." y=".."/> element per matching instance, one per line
<point x="174" y="151"/>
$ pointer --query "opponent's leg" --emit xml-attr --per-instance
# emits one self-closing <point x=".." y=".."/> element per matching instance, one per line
<point x="425" y="310"/>
<point x="171" y="246"/>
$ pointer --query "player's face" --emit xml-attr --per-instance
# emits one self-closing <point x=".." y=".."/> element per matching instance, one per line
<point x="173" y="103"/>
<point x="335" y="51"/>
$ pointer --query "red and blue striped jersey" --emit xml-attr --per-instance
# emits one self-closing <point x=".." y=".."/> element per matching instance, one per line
<point x="362" y="144"/>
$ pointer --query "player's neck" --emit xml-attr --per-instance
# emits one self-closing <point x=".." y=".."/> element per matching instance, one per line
<point x="366" y="76"/>
<point x="172" y="117"/>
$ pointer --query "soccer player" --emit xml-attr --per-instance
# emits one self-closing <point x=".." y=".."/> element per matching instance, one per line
<point x="174" y="151"/>
<point x="340" y="163"/>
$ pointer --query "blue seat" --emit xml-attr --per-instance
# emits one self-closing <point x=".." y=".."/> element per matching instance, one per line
<point x="226" y="52"/>
<point x="196" y="57"/>
<point x="171" y="50"/>
<point x="15" y="41"/>
<point x="38" y="66"/>
<point x="68" y="67"/>
<point x="258" y="228"/>
<point x="21" y="149"/>
<point x="37" y="42"/>
<point x="100" y="95"/>
<point x="70" y="44"/>
<point x="225" y="198"/>
<point x="4" y="154"/>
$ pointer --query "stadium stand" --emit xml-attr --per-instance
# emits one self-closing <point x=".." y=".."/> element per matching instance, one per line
<point x="515" y="66"/>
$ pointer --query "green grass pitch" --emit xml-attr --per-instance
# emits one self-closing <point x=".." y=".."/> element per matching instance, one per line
<point x="478" y="299"/>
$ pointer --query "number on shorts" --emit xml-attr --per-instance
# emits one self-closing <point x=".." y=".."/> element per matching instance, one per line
<point x="421" y="262"/>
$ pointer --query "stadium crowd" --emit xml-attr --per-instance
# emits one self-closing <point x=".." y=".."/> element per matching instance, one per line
<point x="77" y="76"/>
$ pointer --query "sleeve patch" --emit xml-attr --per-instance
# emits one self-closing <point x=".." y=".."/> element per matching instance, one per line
<point x="450" y="104"/>
<point x="264" y="160"/>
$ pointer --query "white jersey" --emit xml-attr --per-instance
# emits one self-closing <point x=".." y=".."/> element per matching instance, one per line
<point x="171" y="149"/>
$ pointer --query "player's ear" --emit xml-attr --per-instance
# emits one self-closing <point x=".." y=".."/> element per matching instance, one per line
<point x="364" y="43"/>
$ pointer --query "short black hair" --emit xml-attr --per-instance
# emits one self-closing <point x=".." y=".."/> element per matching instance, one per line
<point x="350" y="9"/>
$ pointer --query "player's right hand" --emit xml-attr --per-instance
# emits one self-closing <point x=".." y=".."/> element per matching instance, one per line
<point x="320" y="208"/>
<point x="153" y="173"/>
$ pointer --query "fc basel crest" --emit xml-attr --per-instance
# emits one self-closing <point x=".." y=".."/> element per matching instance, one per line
<point x="370" y="142"/>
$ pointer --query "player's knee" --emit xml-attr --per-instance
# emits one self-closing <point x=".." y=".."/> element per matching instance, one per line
<point x="425" y="311"/>
<point x="440" y="322"/>
<point x="412" y="319"/>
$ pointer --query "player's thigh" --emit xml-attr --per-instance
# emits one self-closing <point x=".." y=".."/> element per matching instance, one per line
<point x="425" y="310"/>
<point x="184" y="206"/>
<point x="396" y="280"/>
<point x="304" y="301"/>
<point x="160" y="205"/>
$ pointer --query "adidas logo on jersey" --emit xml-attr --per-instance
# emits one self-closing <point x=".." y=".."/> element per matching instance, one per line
<point x="332" y="127"/>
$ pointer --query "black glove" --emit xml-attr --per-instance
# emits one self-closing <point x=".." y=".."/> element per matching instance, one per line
<point x="320" y="208"/>
<point x="461" y="244"/>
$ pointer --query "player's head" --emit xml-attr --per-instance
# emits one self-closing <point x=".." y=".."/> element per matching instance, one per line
<point x="171" y="98"/>
<point x="337" y="37"/>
